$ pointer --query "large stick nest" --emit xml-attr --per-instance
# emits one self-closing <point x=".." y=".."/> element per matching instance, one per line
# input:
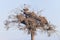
<point x="31" y="21"/>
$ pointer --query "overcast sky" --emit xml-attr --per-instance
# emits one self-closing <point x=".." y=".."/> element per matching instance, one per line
<point x="51" y="10"/>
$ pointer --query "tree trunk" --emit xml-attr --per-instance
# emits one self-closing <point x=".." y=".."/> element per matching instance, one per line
<point x="32" y="35"/>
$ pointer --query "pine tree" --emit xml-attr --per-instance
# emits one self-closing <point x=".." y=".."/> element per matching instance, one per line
<point x="31" y="21"/>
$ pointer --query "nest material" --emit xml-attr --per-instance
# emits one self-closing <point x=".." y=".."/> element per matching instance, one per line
<point x="31" y="21"/>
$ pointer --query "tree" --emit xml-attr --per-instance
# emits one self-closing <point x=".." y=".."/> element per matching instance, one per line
<point x="31" y="21"/>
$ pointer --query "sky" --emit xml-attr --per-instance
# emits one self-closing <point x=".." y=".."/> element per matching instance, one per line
<point x="51" y="10"/>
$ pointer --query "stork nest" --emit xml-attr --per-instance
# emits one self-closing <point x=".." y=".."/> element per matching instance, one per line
<point x="31" y="21"/>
